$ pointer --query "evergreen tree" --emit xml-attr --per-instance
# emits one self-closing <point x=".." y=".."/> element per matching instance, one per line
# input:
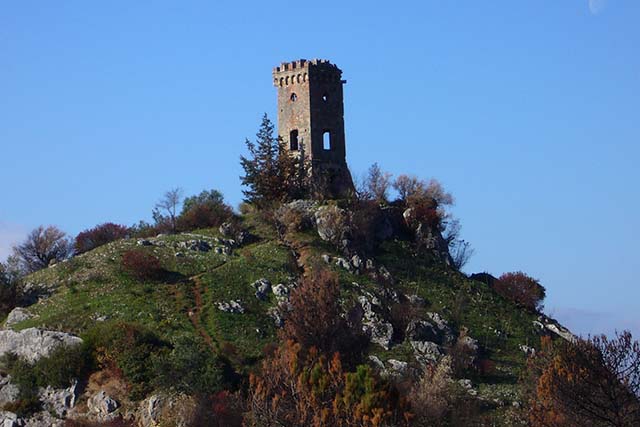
<point x="271" y="173"/>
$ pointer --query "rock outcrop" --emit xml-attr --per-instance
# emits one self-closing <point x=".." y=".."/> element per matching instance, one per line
<point x="32" y="344"/>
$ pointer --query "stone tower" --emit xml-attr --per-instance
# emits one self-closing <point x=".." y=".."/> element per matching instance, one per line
<point x="311" y="118"/>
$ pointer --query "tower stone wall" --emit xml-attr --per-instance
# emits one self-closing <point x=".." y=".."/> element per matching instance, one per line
<point x="311" y="119"/>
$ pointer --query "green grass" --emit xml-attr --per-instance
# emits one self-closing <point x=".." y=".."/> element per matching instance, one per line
<point x="94" y="285"/>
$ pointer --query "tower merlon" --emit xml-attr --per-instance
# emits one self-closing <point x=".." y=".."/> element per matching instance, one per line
<point x="302" y="70"/>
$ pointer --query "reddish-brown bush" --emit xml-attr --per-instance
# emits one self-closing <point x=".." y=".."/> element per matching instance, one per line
<point x="142" y="265"/>
<point x="521" y="289"/>
<point x="98" y="236"/>
<point x="586" y="383"/>
<point x="303" y="387"/>
<point x="315" y="318"/>
<point x="204" y="210"/>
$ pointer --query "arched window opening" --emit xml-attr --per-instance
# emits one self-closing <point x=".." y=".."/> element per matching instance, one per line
<point x="326" y="140"/>
<point x="294" y="97"/>
<point x="293" y="140"/>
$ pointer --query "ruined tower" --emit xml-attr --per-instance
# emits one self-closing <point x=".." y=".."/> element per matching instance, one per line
<point x="311" y="119"/>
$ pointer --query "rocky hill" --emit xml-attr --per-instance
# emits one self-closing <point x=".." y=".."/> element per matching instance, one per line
<point x="203" y="324"/>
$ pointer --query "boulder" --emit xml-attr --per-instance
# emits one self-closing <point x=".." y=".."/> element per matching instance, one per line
<point x="196" y="245"/>
<point x="32" y="344"/>
<point x="9" y="419"/>
<point x="281" y="291"/>
<point x="343" y="263"/>
<point x="8" y="392"/>
<point x="529" y="351"/>
<point x="151" y="410"/>
<point x="427" y="352"/>
<point x="357" y="262"/>
<point x="17" y="315"/>
<point x="421" y="330"/>
<point x="373" y="323"/>
<point x="397" y="366"/>
<point x="230" y="307"/>
<point x="102" y="405"/>
<point x="58" y="401"/>
<point x="262" y="287"/>
<point x="332" y="224"/>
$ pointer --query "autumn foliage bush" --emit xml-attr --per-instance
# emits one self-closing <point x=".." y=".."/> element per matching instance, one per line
<point x="592" y="382"/>
<point x="522" y="289"/>
<point x="142" y="265"/>
<point x="204" y="210"/>
<point x="98" y="236"/>
<point x="303" y="387"/>
<point x="315" y="319"/>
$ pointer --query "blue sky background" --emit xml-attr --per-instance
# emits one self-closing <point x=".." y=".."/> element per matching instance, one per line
<point x="527" y="111"/>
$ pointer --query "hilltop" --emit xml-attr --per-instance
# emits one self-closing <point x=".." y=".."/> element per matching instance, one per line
<point x="224" y="292"/>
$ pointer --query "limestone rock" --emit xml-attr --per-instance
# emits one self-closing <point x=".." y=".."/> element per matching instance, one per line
<point x="373" y="322"/>
<point x="9" y="419"/>
<point x="397" y="366"/>
<point x="195" y="245"/>
<point x="102" y="405"/>
<point x="527" y="350"/>
<point x="332" y="224"/>
<point x="58" y="401"/>
<point x="17" y="315"/>
<point x="8" y="392"/>
<point x="281" y="291"/>
<point x="32" y="344"/>
<point x="262" y="287"/>
<point x="556" y="328"/>
<point x="427" y="352"/>
<point x="230" y="307"/>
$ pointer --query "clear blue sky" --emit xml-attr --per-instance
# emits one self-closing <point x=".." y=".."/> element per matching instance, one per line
<point x="527" y="111"/>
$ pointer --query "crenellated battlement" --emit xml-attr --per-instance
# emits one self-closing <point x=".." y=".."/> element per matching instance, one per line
<point x="302" y="70"/>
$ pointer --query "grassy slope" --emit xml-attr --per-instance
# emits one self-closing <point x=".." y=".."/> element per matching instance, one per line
<point x="93" y="285"/>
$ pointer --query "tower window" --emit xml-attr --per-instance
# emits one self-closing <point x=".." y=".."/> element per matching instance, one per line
<point x="326" y="140"/>
<point x="325" y="97"/>
<point x="293" y="140"/>
<point x="294" y="97"/>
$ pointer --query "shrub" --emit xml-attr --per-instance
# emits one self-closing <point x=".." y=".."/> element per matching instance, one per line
<point x="62" y="366"/>
<point x="7" y="293"/>
<point x="570" y="384"/>
<point x="57" y="370"/>
<point x="315" y="318"/>
<point x="98" y="236"/>
<point x="127" y="350"/>
<point x="189" y="367"/>
<point x="436" y="400"/>
<point x="142" y="265"/>
<point x="521" y="289"/>
<point x="205" y="210"/>
<point x="299" y="387"/>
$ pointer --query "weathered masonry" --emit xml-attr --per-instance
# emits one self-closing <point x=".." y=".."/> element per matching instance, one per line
<point x="311" y="120"/>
